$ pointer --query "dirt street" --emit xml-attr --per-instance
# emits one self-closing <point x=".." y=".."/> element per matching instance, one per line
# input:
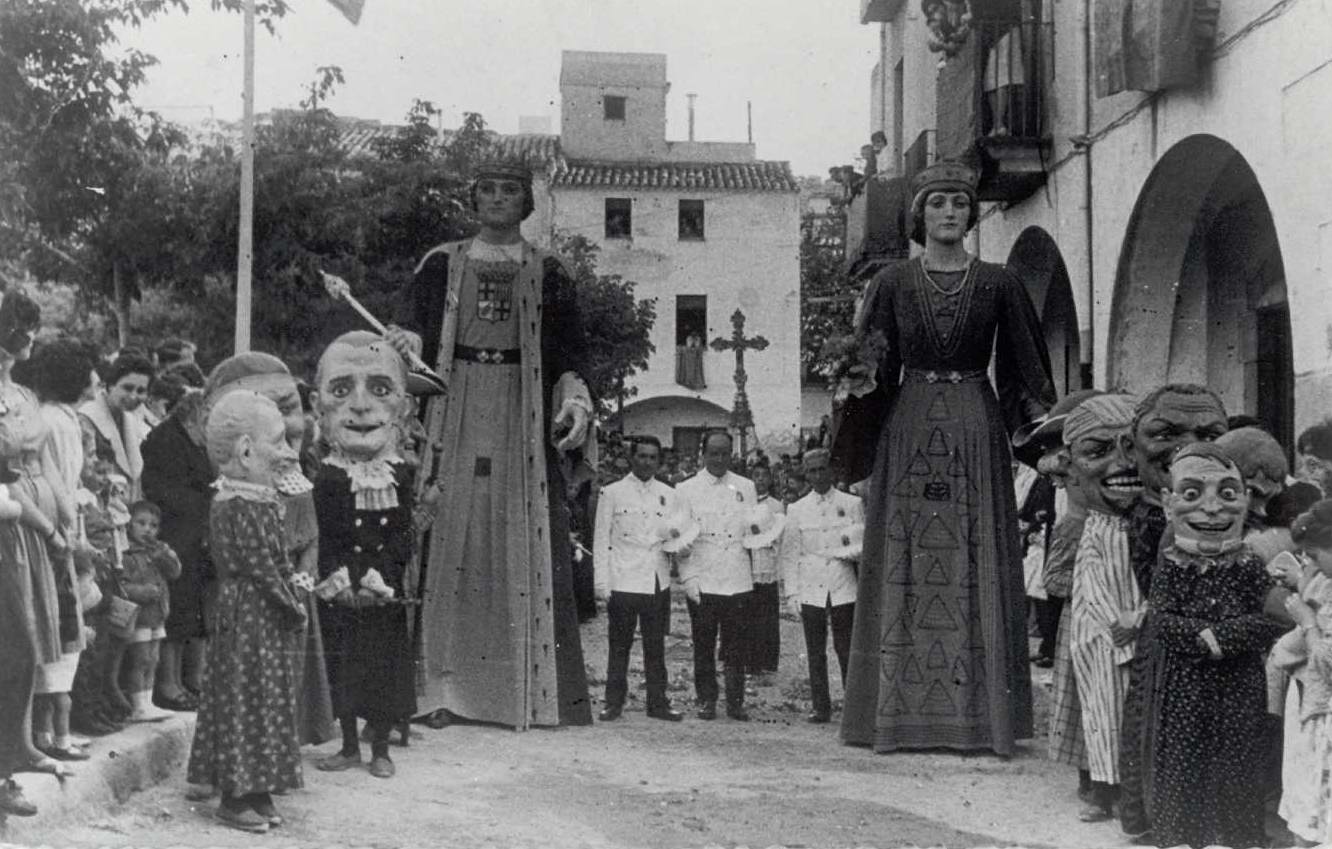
<point x="643" y="783"/>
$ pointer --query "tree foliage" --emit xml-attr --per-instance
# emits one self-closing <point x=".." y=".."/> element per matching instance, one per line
<point x="618" y="327"/>
<point x="104" y="201"/>
<point x="827" y="298"/>
<point x="90" y="184"/>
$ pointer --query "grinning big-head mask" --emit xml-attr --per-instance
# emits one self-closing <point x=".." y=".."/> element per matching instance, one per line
<point x="1099" y="463"/>
<point x="1167" y="419"/>
<point x="1207" y="500"/>
<point x="361" y="396"/>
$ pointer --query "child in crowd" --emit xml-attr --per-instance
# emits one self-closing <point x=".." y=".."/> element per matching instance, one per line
<point x="245" y="743"/>
<point x="1306" y="652"/>
<point x="111" y="488"/>
<point x="1207" y="598"/>
<point x="149" y="567"/>
<point x="99" y="706"/>
<point x="116" y="502"/>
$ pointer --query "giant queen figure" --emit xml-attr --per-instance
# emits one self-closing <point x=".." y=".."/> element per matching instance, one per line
<point x="497" y="316"/>
<point x="939" y="647"/>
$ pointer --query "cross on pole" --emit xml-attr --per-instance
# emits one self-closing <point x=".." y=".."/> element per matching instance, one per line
<point x="742" y="418"/>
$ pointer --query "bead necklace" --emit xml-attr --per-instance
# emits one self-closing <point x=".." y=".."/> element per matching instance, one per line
<point x="947" y="293"/>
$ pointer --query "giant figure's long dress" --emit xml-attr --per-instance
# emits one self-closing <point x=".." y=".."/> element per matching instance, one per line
<point x="938" y="651"/>
<point x="499" y="624"/>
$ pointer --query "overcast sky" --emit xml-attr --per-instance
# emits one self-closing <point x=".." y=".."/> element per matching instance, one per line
<point x="805" y="64"/>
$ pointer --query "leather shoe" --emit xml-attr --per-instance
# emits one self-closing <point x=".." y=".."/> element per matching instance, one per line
<point x="382" y="767"/>
<point x="13" y="802"/>
<point x="665" y="713"/>
<point x="338" y="762"/>
<point x="738" y="713"/>
<point x="818" y="717"/>
<point x="610" y="713"/>
<point x="708" y="711"/>
<point x="439" y="719"/>
<point x="242" y="819"/>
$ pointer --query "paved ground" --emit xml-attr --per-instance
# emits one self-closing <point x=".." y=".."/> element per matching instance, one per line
<point x="640" y="782"/>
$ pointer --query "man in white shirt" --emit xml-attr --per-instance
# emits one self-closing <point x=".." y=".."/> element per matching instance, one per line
<point x="822" y="536"/>
<point x="716" y="576"/>
<point x="633" y="576"/>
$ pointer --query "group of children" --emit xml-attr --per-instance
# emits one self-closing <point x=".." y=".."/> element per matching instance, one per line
<point x="1193" y="574"/>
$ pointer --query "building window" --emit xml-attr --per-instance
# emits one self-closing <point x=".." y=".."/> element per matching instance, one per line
<point x="691" y="220"/>
<point x="619" y="218"/>
<point x="691" y="327"/>
<point x="691" y="320"/>
<point x="614" y="107"/>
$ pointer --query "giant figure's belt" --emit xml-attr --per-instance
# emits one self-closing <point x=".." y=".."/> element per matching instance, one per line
<point x="915" y="375"/>
<point x="488" y="356"/>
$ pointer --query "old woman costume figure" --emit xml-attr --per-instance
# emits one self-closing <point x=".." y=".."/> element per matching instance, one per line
<point x="498" y="317"/>
<point x="938" y="651"/>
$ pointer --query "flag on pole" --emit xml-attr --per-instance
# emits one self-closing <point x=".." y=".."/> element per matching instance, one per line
<point x="350" y="9"/>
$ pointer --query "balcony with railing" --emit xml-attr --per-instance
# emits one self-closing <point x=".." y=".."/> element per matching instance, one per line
<point x="877" y="225"/>
<point x="993" y="105"/>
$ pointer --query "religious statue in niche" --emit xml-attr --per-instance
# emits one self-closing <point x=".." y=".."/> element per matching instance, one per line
<point x="949" y="22"/>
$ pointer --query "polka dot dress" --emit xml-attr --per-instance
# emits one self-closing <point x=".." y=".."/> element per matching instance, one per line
<point x="1209" y="731"/>
<point x="245" y="739"/>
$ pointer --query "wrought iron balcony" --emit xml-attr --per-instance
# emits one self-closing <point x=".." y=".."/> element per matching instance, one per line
<point x="993" y="99"/>
<point x="877" y="225"/>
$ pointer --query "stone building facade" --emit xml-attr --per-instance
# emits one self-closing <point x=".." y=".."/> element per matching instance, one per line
<point x="705" y="228"/>
<point x="1155" y="170"/>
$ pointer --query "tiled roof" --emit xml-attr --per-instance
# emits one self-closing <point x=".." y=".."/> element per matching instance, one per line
<point x="759" y="176"/>
<point x="542" y="153"/>
<point x="536" y="150"/>
<point x="357" y="139"/>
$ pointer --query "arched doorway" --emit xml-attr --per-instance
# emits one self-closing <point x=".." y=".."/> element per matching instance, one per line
<point x="1200" y="294"/>
<point x="678" y="421"/>
<point x="1036" y="261"/>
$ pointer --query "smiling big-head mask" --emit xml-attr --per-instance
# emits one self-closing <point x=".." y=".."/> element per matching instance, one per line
<point x="362" y="396"/>
<point x="1098" y="462"/>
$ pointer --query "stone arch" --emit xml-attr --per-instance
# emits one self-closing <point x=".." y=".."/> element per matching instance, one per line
<point x="670" y="417"/>
<point x="1200" y="292"/>
<point x="1037" y="262"/>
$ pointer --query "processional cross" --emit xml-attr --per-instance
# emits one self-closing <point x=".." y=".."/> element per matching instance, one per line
<point x="742" y="418"/>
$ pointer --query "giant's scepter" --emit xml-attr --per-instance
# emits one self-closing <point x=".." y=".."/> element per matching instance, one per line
<point x="421" y="378"/>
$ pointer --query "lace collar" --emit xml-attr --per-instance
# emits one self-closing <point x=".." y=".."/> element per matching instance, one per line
<point x="374" y="482"/>
<point x="1183" y="555"/>
<point x="229" y="488"/>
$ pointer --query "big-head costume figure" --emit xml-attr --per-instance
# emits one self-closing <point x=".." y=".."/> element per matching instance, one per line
<point x="498" y="317"/>
<point x="1107" y="603"/>
<point x="364" y="495"/>
<point x="1165" y="420"/>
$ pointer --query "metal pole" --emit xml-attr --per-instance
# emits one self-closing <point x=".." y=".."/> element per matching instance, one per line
<point x="245" y="242"/>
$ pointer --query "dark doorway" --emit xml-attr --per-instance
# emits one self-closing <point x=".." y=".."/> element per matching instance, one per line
<point x="1276" y="375"/>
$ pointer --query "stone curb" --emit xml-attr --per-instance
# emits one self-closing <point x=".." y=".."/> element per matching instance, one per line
<point x="121" y="764"/>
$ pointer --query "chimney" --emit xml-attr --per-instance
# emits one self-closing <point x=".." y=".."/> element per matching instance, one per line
<point x="749" y="117"/>
<point x="692" y="97"/>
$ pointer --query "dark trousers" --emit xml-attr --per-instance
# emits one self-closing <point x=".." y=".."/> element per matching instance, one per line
<point x="1048" y="611"/>
<point x="711" y="616"/>
<point x="650" y="612"/>
<point x="815" y="620"/>
<point x="763" y="629"/>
